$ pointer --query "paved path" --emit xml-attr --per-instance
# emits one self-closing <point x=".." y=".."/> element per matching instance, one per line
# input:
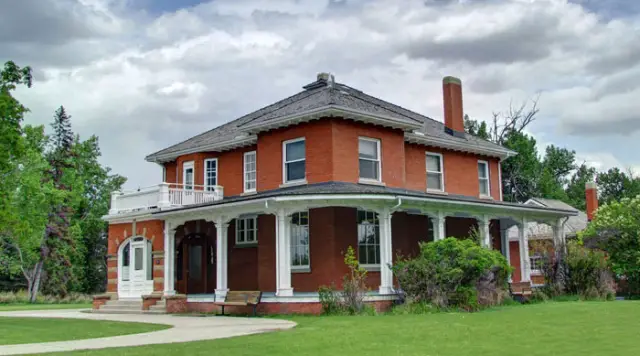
<point x="184" y="329"/>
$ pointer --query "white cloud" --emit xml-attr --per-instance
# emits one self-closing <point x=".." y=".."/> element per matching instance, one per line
<point x="144" y="83"/>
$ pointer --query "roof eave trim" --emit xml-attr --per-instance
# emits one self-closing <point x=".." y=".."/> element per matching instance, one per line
<point x="458" y="146"/>
<point x="218" y="146"/>
<point x="330" y="111"/>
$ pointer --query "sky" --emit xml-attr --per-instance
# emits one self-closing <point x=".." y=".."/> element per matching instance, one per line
<point x="146" y="74"/>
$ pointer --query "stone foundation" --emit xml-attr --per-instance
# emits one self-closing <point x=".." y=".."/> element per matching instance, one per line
<point x="176" y="303"/>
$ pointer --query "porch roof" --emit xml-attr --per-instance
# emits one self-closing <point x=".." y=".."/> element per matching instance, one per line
<point x="358" y="191"/>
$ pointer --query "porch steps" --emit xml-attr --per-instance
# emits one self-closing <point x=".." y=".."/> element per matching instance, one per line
<point x="130" y="307"/>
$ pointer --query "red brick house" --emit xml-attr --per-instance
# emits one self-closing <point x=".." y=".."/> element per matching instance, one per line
<point x="271" y="200"/>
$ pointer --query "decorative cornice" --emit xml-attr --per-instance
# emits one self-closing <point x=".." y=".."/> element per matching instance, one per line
<point x="236" y="142"/>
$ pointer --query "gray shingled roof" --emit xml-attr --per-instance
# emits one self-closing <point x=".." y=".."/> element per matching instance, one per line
<point x="575" y="224"/>
<point x="318" y="95"/>
<point x="358" y="189"/>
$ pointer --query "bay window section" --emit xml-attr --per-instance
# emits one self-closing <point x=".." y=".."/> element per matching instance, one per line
<point x="250" y="172"/>
<point x="210" y="174"/>
<point x="368" y="239"/>
<point x="246" y="230"/>
<point x="369" y="159"/>
<point x="483" y="178"/>
<point x="299" y="229"/>
<point x="435" y="172"/>
<point x="294" y="165"/>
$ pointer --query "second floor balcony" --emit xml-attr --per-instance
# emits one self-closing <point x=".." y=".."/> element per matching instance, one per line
<point x="163" y="195"/>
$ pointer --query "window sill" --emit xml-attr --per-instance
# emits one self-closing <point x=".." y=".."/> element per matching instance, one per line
<point x="536" y="272"/>
<point x="293" y="184"/>
<point x="300" y="269"/>
<point x="371" y="182"/>
<point x="246" y="245"/>
<point x="435" y="191"/>
<point x="371" y="268"/>
<point x="486" y="197"/>
<point x="251" y="192"/>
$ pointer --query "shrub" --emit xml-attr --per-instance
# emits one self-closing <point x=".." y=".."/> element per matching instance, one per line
<point x="330" y="300"/>
<point x="351" y="300"/>
<point x="454" y="273"/>
<point x="22" y="296"/>
<point x="354" y="283"/>
<point x="588" y="273"/>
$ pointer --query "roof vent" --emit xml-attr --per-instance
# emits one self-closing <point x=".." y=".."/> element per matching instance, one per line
<point x="322" y="79"/>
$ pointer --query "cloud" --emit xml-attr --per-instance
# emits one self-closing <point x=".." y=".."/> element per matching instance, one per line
<point x="143" y="81"/>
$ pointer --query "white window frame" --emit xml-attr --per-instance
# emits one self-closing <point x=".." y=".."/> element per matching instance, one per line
<point x="185" y="167"/>
<point x="369" y="266"/>
<point x="255" y="229"/>
<point x="441" y="157"/>
<point x="210" y="187"/>
<point x="379" y="160"/>
<point x="294" y="247"/>
<point x="245" y="179"/>
<point x="488" y="179"/>
<point x="535" y="271"/>
<point x="285" y="162"/>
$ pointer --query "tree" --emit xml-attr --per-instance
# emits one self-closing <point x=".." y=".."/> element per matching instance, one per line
<point x="520" y="172"/>
<point x="556" y="166"/>
<point x="615" y="184"/>
<point x="477" y="129"/>
<point x="616" y="230"/>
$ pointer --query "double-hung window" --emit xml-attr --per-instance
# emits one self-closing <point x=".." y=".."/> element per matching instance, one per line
<point x="293" y="152"/>
<point x="246" y="230"/>
<point x="187" y="175"/>
<point x="300" y="240"/>
<point x="368" y="238"/>
<point x="250" y="172"/>
<point x="435" y="172"/>
<point x="369" y="159"/>
<point x="483" y="177"/>
<point x="210" y="174"/>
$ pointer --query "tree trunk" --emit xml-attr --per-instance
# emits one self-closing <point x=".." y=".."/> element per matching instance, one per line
<point x="34" y="283"/>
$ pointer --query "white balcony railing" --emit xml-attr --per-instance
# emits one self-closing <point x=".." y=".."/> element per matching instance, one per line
<point x="164" y="195"/>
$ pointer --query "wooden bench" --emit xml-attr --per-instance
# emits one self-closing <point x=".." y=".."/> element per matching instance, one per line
<point x="521" y="290"/>
<point x="241" y="299"/>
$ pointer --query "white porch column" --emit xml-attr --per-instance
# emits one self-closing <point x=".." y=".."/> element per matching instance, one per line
<point x="485" y="231"/>
<point x="386" y="252"/>
<point x="439" y="226"/>
<point x="222" y="287"/>
<point x="169" y="253"/>
<point x="523" y="240"/>
<point x="283" y="255"/>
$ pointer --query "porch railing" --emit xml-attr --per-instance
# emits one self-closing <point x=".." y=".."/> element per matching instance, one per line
<point x="164" y="195"/>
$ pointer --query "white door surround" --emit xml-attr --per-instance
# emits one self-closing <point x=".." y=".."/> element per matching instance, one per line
<point x="135" y="277"/>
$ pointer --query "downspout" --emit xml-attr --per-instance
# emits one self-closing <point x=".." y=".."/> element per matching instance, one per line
<point x="399" y="200"/>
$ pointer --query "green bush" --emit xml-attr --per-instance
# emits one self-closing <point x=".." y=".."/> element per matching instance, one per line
<point x="454" y="273"/>
<point x="23" y="297"/>
<point x="351" y="300"/>
<point x="588" y="273"/>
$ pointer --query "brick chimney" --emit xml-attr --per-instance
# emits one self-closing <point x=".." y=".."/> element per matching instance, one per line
<point x="452" y="95"/>
<point x="592" y="199"/>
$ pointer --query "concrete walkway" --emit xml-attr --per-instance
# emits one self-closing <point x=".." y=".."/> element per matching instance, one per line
<point x="184" y="329"/>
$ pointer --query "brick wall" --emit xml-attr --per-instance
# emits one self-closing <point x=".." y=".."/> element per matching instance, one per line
<point x="118" y="233"/>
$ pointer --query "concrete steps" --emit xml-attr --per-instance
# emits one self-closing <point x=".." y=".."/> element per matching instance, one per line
<point x="130" y="307"/>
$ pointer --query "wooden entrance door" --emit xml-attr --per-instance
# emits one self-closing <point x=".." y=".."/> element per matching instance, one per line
<point x="195" y="247"/>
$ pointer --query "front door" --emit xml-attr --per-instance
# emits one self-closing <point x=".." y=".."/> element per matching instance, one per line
<point x="136" y="278"/>
<point x="196" y="262"/>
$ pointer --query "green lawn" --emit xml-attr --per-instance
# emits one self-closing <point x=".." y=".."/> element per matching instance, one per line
<point x="17" y="306"/>
<point x="30" y="330"/>
<point x="568" y="328"/>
